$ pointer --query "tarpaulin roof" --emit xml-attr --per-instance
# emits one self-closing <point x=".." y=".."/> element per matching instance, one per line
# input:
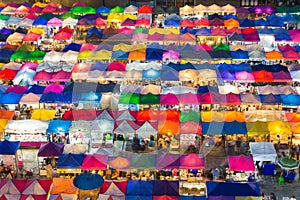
<point x="51" y="149"/>
<point x="263" y="151"/>
<point x="163" y="187"/>
<point x="117" y="188"/>
<point x="42" y="114"/>
<point x="63" y="185"/>
<point x="143" y="188"/>
<point x="59" y="126"/>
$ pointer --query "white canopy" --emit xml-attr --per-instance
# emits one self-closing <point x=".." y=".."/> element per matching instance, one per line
<point x="70" y="22"/>
<point x="80" y="126"/>
<point x="75" y="148"/>
<point x="146" y="130"/>
<point x="53" y="56"/>
<point x="15" y="37"/>
<point x="102" y="126"/>
<point x="143" y="66"/>
<point x="105" y="115"/>
<point x="131" y="9"/>
<point x="125" y="116"/>
<point x="179" y="90"/>
<point x="263" y="151"/>
<point x="8" y="10"/>
<point x="265" y="115"/>
<point x="13" y="21"/>
<point x="26" y="22"/>
<point x="284" y="89"/>
<point x="25" y="76"/>
<point x="70" y="57"/>
<point x="125" y="128"/>
<point x="12" y="65"/>
<point x="228" y="89"/>
<point x="26" y="126"/>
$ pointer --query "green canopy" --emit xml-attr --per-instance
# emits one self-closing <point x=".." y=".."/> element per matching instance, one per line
<point x="141" y="30"/>
<point x="172" y="9"/>
<point x="117" y="9"/>
<point x="67" y="15"/>
<point x="4" y="17"/>
<point x="158" y="10"/>
<point x="294" y="9"/>
<point x="288" y="163"/>
<point x="149" y="99"/>
<point x="142" y="161"/>
<point x="129" y="98"/>
<point x="49" y="16"/>
<point x="190" y="116"/>
<point x="223" y="47"/>
<point x="257" y="128"/>
<point x="26" y="47"/>
<point x="19" y="55"/>
<point x="36" y="55"/>
<point x="282" y="9"/>
<point x="83" y="10"/>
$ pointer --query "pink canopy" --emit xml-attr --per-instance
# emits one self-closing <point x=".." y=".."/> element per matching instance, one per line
<point x="49" y="9"/>
<point x="188" y="99"/>
<point x="54" y="88"/>
<point x="81" y="68"/>
<point x="42" y="76"/>
<point x="141" y="37"/>
<point x="54" y="22"/>
<point x="218" y="32"/>
<point x="29" y="65"/>
<point x="291" y="55"/>
<point x="31" y="37"/>
<point x="244" y="76"/>
<point x="61" y="76"/>
<point x="100" y="22"/>
<point x="126" y="31"/>
<point x="241" y="163"/>
<point x="192" y="161"/>
<point x="116" y="66"/>
<point x="94" y="162"/>
<point x="88" y="46"/>
<point x="203" y="47"/>
<point x="142" y="22"/>
<point x="171" y="55"/>
<point x="168" y="99"/>
<point x="190" y="128"/>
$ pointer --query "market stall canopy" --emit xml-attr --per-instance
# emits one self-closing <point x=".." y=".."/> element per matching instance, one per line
<point x="232" y="189"/>
<point x="51" y="149"/>
<point x="9" y="147"/>
<point x="241" y="163"/>
<point x="26" y="126"/>
<point x="94" y="162"/>
<point x="70" y="161"/>
<point x="263" y="151"/>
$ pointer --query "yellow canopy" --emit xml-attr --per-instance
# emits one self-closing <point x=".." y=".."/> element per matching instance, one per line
<point x="129" y="16"/>
<point x="101" y="55"/>
<point x="42" y="114"/>
<point x="229" y="116"/>
<point x="26" y="47"/>
<point x="1" y="65"/>
<point x="114" y="17"/>
<point x="40" y="4"/>
<point x="36" y="30"/>
<point x="84" y="55"/>
<point x="279" y="127"/>
<point x="122" y="47"/>
<point x="164" y="31"/>
<point x="138" y="47"/>
<point x="3" y="123"/>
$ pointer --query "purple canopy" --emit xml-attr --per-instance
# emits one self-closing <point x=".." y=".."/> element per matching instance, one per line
<point x="167" y="161"/>
<point x="242" y="10"/>
<point x="51" y="149"/>
<point x="156" y="37"/>
<point x="252" y="37"/>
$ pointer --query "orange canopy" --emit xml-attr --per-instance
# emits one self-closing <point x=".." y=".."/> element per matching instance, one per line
<point x="231" y="23"/>
<point x="168" y="127"/>
<point x="293" y="117"/>
<point x="229" y="116"/>
<point x="137" y="55"/>
<point x="63" y="185"/>
<point x="274" y="55"/>
<point x="162" y="115"/>
<point x="295" y="127"/>
<point x="6" y="114"/>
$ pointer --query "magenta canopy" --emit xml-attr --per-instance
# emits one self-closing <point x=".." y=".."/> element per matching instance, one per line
<point x="61" y="76"/>
<point x="244" y="76"/>
<point x="218" y="32"/>
<point x="88" y="46"/>
<point x="54" y="88"/>
<point x="140" y="37"/>
<point x="143" y="22"/>
<point x="241" y="163"/>
<point x="116" y="66"/>
<point x="156" y="37"/>
<point x="168" y="99"/>
<point x="17" y="89"/>
<point x="192" y="161"/>
<point x="94" y="162"/>
<point x="167" y="161"/>
<point x="54" y="22"/>
<point x="126" y="31"/>
<point x="42" y="76"/>
<point x="171" y="55"/>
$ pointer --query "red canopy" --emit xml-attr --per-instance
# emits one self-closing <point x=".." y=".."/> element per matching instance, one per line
<point x="76" y="115"/>
<point x="145" y="9"/>
<point x="116" y="66"/>
<point x="63" y="36"/>
<point x="31" y="37"/>
<point x="8" y="74"/>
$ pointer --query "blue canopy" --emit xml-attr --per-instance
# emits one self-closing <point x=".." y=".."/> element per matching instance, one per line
<point x="203" y="31"/>
<point x="269" y="68"/>
<point x="290" y="100"/>
<point x="241" y="67"/>
<point x="229" y="16"/>
<point x="270" y="99"/>
<point x="232" y="189"/>
<point x="220" y="54"/>
<point x="99" y="66"/>
<point x="59" y="126"/>
<point x="236" y="37"/>
<point x="6" y="31"/>
<point x="70" y="161"/>
<point x="289" y="18"/>
<point x="40" y="21"/>
<point x="9" y="147"/>
<point x="53" y="97"/>
<point x="120" y="55"/>
<point x="235" y="127"/>
<point x="208" y="88"/>
<point x="3" y="89"/>
<point x="88" y="181"/>
<point x="172" y="23"/>
<point x="260" y="22"/>
<point x="90" y="97"/>
<point x="151" y="74"/>
<point x="275" y="22"/>
<point x="154" y="46"/>
<point x="139" y="188"/>
<point x="5" y="55"/>
<point x="96" y="87"/>
<point x="10" y="98"/>
<point x="192" y="197"/>
<point x="266" y="31"/>
<point x="239" y="54"/>
<point x="95" y="31"/>
<point x="36" y="89"/>
<point x="154" y="54"/>
<point x="246" y="23"/>
<point x="212" y="128"/>
<point x="129" y="197"/>
<point x="103" y="10"/>
<point x="169" y="74"/>
<point x="169" y="188"/>
<point x="282" y="37"/>
<point x="188" y="30"/>
<point x="73" y="47"/>
<point x="205" y="66"/>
